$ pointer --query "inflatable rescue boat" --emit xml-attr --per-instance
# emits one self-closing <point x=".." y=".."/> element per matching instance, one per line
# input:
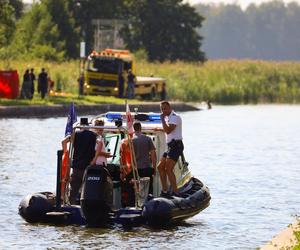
<point x="102" y="200"/>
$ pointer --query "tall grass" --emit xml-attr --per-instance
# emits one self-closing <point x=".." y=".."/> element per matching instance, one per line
<point x="230" y="81"/>
<point x="221" y="81"/>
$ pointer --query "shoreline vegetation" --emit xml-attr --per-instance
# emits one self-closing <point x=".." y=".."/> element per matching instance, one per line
<point x="221" y="81"/>
<point x="289" y="238"/>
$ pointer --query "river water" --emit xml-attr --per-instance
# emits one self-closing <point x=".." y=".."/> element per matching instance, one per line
<point x="247" y="155"/>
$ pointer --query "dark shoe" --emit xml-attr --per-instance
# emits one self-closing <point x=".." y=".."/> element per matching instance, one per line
<point x="179" y="195"/>
<point x="164" y="194"/>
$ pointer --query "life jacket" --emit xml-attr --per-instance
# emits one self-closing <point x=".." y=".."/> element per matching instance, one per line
<point x="125" y="158"/>
<point x="65" y="172"/>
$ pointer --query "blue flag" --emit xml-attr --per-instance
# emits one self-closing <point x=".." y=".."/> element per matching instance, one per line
<point x="72" y="118"/>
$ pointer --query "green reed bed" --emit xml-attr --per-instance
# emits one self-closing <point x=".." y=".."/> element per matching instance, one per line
<point x="221" y="81"/>
<point x="230" y="81"/>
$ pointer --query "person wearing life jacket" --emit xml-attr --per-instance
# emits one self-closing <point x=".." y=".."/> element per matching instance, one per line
<point x="125" y="159"/>
<point x="125" y="170"/>
<point x="65" y="168"/>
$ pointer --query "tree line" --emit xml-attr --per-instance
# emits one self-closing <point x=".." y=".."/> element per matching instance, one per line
<point x="53" y="29"/>
<point x="269" y="31"/>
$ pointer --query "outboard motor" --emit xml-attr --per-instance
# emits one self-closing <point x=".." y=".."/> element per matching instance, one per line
<point x="96" y="195"/>
<point x="33" y="208"/>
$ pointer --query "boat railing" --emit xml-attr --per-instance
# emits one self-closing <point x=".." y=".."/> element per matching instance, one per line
<point x="118" y="129"/>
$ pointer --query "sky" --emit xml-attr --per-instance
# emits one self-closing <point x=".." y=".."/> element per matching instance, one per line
<point x="243" y="3"/>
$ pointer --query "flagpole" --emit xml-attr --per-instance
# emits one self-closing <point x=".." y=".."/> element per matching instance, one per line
<point x="136" y="176"/>
<point x="70" y="131"/>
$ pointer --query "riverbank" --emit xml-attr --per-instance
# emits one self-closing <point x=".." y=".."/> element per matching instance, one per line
<point x="42" y="111"/>
<point x="286" y="239"/>
<point x="221" y="81"/>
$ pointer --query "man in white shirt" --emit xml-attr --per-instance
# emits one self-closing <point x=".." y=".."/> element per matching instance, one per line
<point x="172" y="126"/>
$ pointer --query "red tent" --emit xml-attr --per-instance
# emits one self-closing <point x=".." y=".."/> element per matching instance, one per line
<point x="9" y="84"/>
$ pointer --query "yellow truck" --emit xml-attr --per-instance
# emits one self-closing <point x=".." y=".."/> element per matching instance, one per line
<point x="106" y="74"/>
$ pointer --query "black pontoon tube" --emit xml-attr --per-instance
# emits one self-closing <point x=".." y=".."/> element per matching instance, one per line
<point x="58" y="180"/>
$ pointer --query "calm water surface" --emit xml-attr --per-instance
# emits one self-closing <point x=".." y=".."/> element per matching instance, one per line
<point x="247" y="155"/>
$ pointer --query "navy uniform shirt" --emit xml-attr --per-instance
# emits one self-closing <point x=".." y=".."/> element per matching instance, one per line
<point x="84" y="148"/>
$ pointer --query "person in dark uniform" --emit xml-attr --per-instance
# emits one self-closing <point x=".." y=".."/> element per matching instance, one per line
<point x="121" y="85"/>
<point x="32" y="79"/>
<point x="43" y="83"/>
<point x="163" y="95"/>
<point x="130" y="85"/>
<point x="84" y="151"/>
<point x="25" y="91"/>
<point x="80" y="84"/>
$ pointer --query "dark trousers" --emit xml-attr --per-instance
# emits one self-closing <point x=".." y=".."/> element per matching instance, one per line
<point x="144" y="172"/>
<point x="43" y="93"/>
<point x="75" y="184"/>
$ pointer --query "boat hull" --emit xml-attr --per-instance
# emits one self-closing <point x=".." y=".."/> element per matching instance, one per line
<point x="165" y="211"/>
<point x="40" y="208"/>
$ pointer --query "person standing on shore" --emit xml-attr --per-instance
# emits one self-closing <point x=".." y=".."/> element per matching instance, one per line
<point x="80" y="81"/>
<point x="25" y="90"/>
<point x="32" y="79"/>
<point x="130" y="85"/>
<point x="172" y="126"/>
<point x="43" y="83"/>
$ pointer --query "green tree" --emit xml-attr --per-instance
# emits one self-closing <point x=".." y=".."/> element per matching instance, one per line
<point x="37" y="35"/>
<point x="166" y="29"/>
<point x="47" y="31"/>
<point x="7" y="23"/>
<point x="63" y="18"/>
<point x="85" y="11"/>
<point x="7" y="27"/>
<point x="268" y="31"/>
<point x="18" y="7"/>
<point x="224" y="29"/>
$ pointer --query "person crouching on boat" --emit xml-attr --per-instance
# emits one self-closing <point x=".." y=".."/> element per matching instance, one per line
<point x="101" y="155"/>
<point x="84" y="151"/>
<point x="125" y="170"/>
<point x="172" y="126"/>
<point x="125" y="159"/>
<point x="145" y="154"/>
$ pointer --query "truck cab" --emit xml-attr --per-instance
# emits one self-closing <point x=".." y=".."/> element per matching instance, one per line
<point x="106" y="74"/>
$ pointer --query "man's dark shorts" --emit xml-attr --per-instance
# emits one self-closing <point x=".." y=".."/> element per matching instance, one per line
<point x="175" y="149"/>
